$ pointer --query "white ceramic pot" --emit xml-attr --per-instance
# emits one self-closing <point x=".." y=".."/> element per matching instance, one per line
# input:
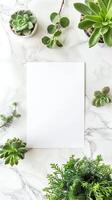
<point x="26" y="36"/>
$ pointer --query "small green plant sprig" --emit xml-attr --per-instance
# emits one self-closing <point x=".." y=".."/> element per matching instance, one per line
<point x="6" y="120"/>
<point x="97" y="20"/>
<point x="13" y="151"/>
<point x="80" y="179"/>
<point x="23" y="22"/>
<point x="55" y="29"/>
<point x="102" y="97"/>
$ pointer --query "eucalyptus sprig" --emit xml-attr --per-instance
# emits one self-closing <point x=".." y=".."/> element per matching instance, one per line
<point x="102" y="97"/>
<point x="13" y="151"/>
<point x="55" y="29"/>
<point x="6" y="120"/>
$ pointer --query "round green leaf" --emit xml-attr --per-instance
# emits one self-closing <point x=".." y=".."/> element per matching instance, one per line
<point x="45" y="40"/>
<point x="54" y="17"/>
<point x="106" y="90"/>
<point x="64" y="21"/>
<point x="57" y="33"/>
<point x="51" y="29"/>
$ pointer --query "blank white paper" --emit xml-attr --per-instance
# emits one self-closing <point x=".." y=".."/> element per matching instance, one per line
<point x="55" y="105"/>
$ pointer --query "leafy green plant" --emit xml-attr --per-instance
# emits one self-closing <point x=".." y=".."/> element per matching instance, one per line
<point x="13" y="151"/>
<point x="96" y="20"/>
<point x="55" y="29"/>
<point x="102" y="97"/>
<point x="80" y="179"/>
<point x="23" y="22"/>
<point x="6" y="120"/>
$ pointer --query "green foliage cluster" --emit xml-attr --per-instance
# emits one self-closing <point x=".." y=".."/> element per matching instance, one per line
<point x="6" y="120"/>
<point x="23" y="22"/>
<point x="102" y="97"/>
<point x="55" y="30"/>
<point x="97" y="16"/>
<point x="13" y="151"/>
<point x="80" y="179"/>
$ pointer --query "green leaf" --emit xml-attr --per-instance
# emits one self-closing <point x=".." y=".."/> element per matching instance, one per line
<point x="82" y="8"/>
<point x="104" y="30"/>
<point x="85" y="24"/>
<point x="98" y="25"/>
<point x="102" y="6"/>
<point x="51" y="29"/>
<point x="45" y="40"/>
<point x="108" y="37"/>
<point x="109" y="4"/>
<point x="94" y="18"/>
<point x="95" y="36"/>
<point x="97" y="93"/>
<point x="33" y="19"/>
<point x="58" y="43"/>
<point x="106" y="2"/>
<point x="30" y="25"/>
<point x="57" y="33"/>
<point x="64" y="21"/>
<point x="54" y="17"/>
<point x="94" y="7"/>
<point x="109" y="14"/>
<point x="106" y="90"/>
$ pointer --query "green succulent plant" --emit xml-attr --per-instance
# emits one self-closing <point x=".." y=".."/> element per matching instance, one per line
<point x="80" y="179"/>
<point x="102" y="97"/>
<point x="6" y="120"/>
<point x="96" y="20"/>
<point x="56" y="29"/>
<point x="13" y="151"/>
<point x="23" y="22"/>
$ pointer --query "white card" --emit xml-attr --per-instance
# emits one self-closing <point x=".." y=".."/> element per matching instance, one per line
<point x="55" y="104"/>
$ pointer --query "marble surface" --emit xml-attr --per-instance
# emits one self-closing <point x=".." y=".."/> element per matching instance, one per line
<point x="26" y="181"/>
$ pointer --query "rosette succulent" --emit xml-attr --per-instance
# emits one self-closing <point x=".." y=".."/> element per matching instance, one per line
<point x="23" y="22"/>
<point x="80" y="179"/>
<point x="13" y="151"/>
<point x="96" y="20"/>
<point x="102" y="97"/>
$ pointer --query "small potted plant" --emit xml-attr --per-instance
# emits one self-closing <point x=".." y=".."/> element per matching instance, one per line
<point x="80" y="179"/>
<point x="23" y="23"/>
<point x="96" y="20"/>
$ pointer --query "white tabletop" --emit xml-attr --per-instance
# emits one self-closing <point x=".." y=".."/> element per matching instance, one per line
<point x="26" y="181"/>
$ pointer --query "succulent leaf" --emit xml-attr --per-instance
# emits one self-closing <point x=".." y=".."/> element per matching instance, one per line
<point x="82" y="8"/>
<point x="95" y="36"/>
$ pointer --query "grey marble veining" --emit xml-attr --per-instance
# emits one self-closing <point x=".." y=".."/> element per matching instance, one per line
<point x="26" y="181"/>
